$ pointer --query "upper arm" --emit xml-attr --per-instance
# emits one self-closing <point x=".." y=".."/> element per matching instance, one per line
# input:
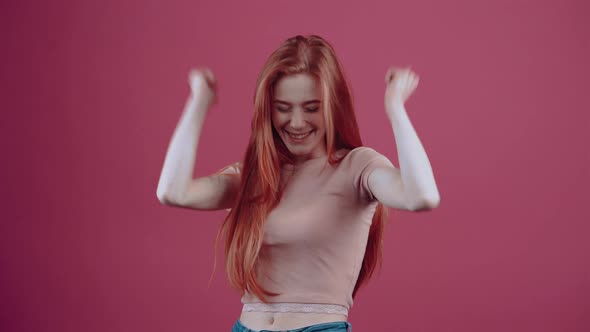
<point x="214" y="192"/>
<point x="385" y="183"/>
<point x="380" y="180"/>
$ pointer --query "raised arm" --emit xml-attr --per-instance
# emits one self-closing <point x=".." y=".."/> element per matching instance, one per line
<point x="412" y="186"/>
<point x="176" y="187"/>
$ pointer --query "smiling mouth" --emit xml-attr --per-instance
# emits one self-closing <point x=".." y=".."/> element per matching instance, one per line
<point x="298" y="137"/>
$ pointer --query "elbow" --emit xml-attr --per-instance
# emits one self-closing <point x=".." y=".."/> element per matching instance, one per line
<point x="164" y="197"/>
<point x="424" y="204"/>
<point x="432" y="202"/>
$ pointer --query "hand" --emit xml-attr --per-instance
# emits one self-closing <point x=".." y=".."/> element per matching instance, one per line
<point x="401" y="83"/>
<point x="203" y="85"/>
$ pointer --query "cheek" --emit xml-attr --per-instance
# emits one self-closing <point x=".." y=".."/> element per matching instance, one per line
<point x="320" y="123"/>
<point x="276" y="121"/>
<point x="280" y="120"/>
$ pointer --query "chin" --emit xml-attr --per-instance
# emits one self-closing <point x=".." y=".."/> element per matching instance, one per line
<point x="302" y="151"/>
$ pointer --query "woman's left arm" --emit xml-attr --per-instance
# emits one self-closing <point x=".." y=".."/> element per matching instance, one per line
<point x="412" y="186"/>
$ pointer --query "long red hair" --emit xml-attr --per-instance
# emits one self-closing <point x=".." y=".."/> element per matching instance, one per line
<point x="259" y="192"/>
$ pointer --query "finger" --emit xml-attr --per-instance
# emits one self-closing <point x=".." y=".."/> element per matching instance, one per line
<point x="406" y="73"/>
<point x="211" y="80"/>
<point x="193" y="72"/>
<point x="411" y="79"/>
<point x="409" y="72"/>
<point x="388" y="75"/>
<point x="209" y="74"/>
<point x="392" y="73"/>
<point x="414" y="84"/>
<point x="402" y="75"/>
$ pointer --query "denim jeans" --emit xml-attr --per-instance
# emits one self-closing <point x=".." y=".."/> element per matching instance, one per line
<point x="323" y="327"/>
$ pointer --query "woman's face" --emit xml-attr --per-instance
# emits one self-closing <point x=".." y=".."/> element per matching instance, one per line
<point x="298" y="115"/>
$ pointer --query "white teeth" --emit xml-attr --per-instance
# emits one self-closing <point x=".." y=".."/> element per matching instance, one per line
<point x="300" y="136"/>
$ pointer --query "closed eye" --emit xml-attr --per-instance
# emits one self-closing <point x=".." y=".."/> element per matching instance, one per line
<point x="287" y="109"/>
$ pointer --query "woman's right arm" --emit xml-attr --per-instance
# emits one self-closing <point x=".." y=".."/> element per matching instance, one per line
<point x="176" y="186"/>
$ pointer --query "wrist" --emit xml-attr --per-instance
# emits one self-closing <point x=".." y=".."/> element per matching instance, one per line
<point x="394" y="107"/>
<point x="201" y="102"/>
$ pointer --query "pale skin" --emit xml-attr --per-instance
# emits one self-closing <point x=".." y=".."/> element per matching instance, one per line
<point x="411" y="187"/>
<point x="176" y="186"/>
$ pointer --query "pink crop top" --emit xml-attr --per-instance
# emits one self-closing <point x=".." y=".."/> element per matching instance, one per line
<point x="314" y="240"/>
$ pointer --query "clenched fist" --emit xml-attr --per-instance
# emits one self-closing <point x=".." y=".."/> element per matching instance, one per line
<point x="401" y="83"/>
<point x="203" y="85"/>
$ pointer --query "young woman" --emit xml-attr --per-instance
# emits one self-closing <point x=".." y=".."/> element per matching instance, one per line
<point x="308" y="201"/>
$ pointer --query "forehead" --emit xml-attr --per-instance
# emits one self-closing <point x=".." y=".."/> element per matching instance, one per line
<point x="297" y="87"/>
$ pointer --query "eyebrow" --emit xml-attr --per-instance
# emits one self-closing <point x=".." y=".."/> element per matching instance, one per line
<point x="305" y="103"/>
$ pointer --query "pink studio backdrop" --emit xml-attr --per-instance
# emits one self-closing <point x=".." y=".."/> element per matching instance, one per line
<point x="92" y="91"/>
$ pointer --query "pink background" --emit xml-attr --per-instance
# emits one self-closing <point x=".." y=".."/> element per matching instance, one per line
<point x="92" y="91"/>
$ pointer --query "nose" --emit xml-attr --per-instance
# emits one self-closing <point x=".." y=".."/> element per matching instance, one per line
<point x="297" y="120"/>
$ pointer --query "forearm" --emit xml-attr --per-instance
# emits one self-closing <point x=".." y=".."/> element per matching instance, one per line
<point x="416" y="172"/>
<point x="180" y="158"/>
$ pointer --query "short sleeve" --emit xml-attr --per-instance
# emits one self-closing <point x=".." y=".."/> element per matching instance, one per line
<point x="364" y="161"/>
<point x="235" y="168"/>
